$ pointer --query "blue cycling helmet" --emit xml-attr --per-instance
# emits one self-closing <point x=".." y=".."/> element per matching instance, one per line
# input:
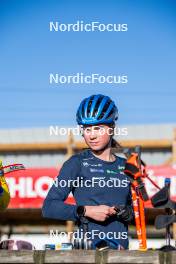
<point x="97" y="109"/>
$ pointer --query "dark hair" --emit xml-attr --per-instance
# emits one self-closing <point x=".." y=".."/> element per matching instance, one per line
<point x="116" y="145"/>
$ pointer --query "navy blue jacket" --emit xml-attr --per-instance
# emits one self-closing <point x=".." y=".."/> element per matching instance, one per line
<point x="92" y="181"/>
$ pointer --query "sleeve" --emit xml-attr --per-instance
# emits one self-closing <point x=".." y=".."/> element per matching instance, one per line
<point x="54" y="206"/>
<point x="126" y="213"/>
<point x="129" y="207"/>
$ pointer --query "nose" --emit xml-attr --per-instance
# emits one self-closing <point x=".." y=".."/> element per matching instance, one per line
<point x="93" y="135"/>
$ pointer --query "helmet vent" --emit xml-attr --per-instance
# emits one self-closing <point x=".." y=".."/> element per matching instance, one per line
<point x="89" y="108"/>
<point x="105" y="108"/>
<point x="110" y="113"/>
<point x="96" y="107"/>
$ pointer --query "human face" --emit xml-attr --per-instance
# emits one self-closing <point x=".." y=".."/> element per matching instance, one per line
<point x="97" y="136"/>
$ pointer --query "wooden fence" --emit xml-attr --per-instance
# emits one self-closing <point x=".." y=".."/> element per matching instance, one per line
<point x="88" y="256"/>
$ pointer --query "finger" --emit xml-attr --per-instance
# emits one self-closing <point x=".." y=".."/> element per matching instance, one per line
<point x="112" y="210"/>
<point x="107" y="215"/>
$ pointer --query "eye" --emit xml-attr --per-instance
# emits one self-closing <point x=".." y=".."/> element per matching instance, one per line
<point x="96" y="128"/>
<point x="87" y="130"/>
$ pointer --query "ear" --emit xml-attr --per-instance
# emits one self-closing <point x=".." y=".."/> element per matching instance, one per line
<point x="81" y="131"/>
<point x="113" y="127"/>
<point x="113" y="132"/>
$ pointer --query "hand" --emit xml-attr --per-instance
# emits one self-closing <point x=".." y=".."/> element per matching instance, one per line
<point x="100" y="212"/>
<point x="125" y="213"/>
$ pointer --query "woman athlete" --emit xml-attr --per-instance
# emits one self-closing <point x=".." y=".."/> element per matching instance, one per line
<point x="96" y="178"/>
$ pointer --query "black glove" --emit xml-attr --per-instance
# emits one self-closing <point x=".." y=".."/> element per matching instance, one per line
<point x="124" y="213"/>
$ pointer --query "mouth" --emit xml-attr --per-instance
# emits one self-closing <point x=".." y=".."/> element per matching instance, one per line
<point x="94" y="143"/>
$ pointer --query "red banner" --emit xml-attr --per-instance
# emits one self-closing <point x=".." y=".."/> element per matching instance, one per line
<point x="29" y="187"/>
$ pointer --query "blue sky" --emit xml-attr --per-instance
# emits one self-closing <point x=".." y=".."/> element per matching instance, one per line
<point x="29" y="52"/>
